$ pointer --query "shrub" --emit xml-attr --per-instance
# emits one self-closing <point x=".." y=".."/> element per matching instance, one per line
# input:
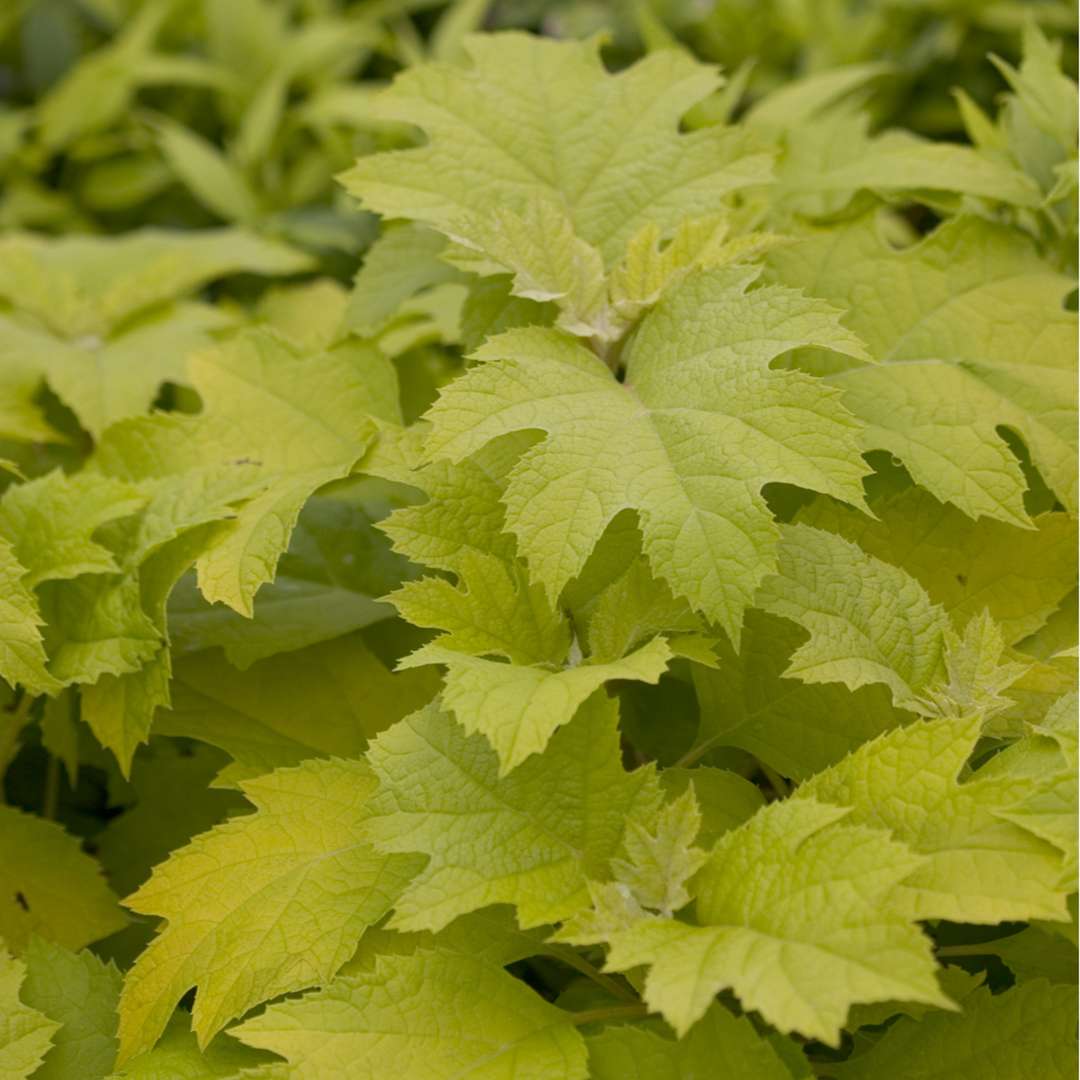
<point x="628" y="632"/>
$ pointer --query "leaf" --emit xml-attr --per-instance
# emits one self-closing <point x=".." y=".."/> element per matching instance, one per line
<point x="615" y="161"/>
<point x="719" y="1045"/>
<point x="433" y="1014"/>
<point x="978" y="868"/>
<point x="977" y="673"/>
<point x="49" y="887"/>
<point x="511" y="842"/>
<point x="635" y="445"/>
<point x="50" y="523"/>
<point x="169" y="801"/>
<point x="869" y="622"/>
<point x="661" y="860"/>
<point x="25" y="1033"/>
<point x="491" y="935"/>
<point x="79" y="993"/>
<point x="300" y="419"/>
<point x="178" y="1057"/>
<point x="971" y="316"/>
<point x="22" y="654"/>
<point x="207" y="173"/>
<point x="1026" y="1031"/>
<point x="831" y="157"/>
<point x="797" y="915"/>
<point x="327" y="700"/>
<point x="1048" y="808"/>
<point x="402" y="263"/>
<point x="325" y="584"/>
<point x="1036" y="953"/>
<point x="749" y="700"/>
<point x="95" y="315"/>
<point x="1019" y="576"/>
<point x="84" y="285"/>
<point x="104" y="380"/>
<point x="239" y="901"/>
<point x="725" y="799"/>
<point x="494" y="611"/>
<point x="276" y="427"/>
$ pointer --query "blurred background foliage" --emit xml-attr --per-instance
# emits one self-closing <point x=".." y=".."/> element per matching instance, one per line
<point x="187" y="113"/>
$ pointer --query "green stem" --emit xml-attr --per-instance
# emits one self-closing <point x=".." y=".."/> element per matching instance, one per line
<point x="695" y="753"/>
<point x="965" y="950"/>
<point x="612" y="1012"/>
<point x="776" y="781"/>
<point x="573" y="959"/>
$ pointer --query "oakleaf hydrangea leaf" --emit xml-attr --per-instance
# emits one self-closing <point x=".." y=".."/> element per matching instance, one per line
<point x="50" y="522"/>
<point x="79" y="992"/>
<point x="177" y="1056"/>
<point x="518" y="707"/>
<point x="797" y="915"/>
<point x="615" y="161"/>
<point x="1026" y="1031"/>
<point x="299" y="422"/>
<point x="718" y="1045"/>
<point x="977" y="673"/>
<point x="632" y="608"/>
<point x="661" y="857"/>
<point x="495" y="611"/>
<point x="1048" y="808"/>
<point x="168" y="801"/>
<point x="433" y="1014"/>
<point x="869" y="622"/>
<point x="491" y="934"/>
<point x="94" y="314"/>
<point x="611" y="446"/>
<point x="978" y="867"/>
<point x="50" y="887"/>
<point x="25" y="1033"/>
<point x="725" y="799"/>
<point x="265" y="904"/>
<point x="1018" y="575"/>
<point x="830" y="158"/>
<point x="79" y="285"/>
<point x="324" y="701"/>
<point x="22" y="653"/>
<point x="512" y="843"/>
<point x="971" y="316"/>
<point x="751" y="700"/>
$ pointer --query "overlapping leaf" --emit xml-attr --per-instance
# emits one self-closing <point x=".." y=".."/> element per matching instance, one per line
<point x="974" y="334"/>
<point x="796" y="912"/>
<point x="693" y="474"/>
<point x="86" y="313"/>
<point x="434" y="1014"/>
<point x="511" y="842"/>
<point x="25" y="1033"/>
<point x="41" y="868"/>
<point x="556" y="205"/>
<point x="979" y="867"/>
<point x="267" y="903"/>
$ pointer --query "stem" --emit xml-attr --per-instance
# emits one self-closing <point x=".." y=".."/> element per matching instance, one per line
<point x="572" y="959"/>
<point x="776" y="781"/>
<point x="612" y="1012"/>
<point x="965" y="950"/>
<point x="52" y="788"/>
<point x="695" y="753"/>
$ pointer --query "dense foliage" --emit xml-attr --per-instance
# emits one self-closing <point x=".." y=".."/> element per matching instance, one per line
<point x="547" y="552"/>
